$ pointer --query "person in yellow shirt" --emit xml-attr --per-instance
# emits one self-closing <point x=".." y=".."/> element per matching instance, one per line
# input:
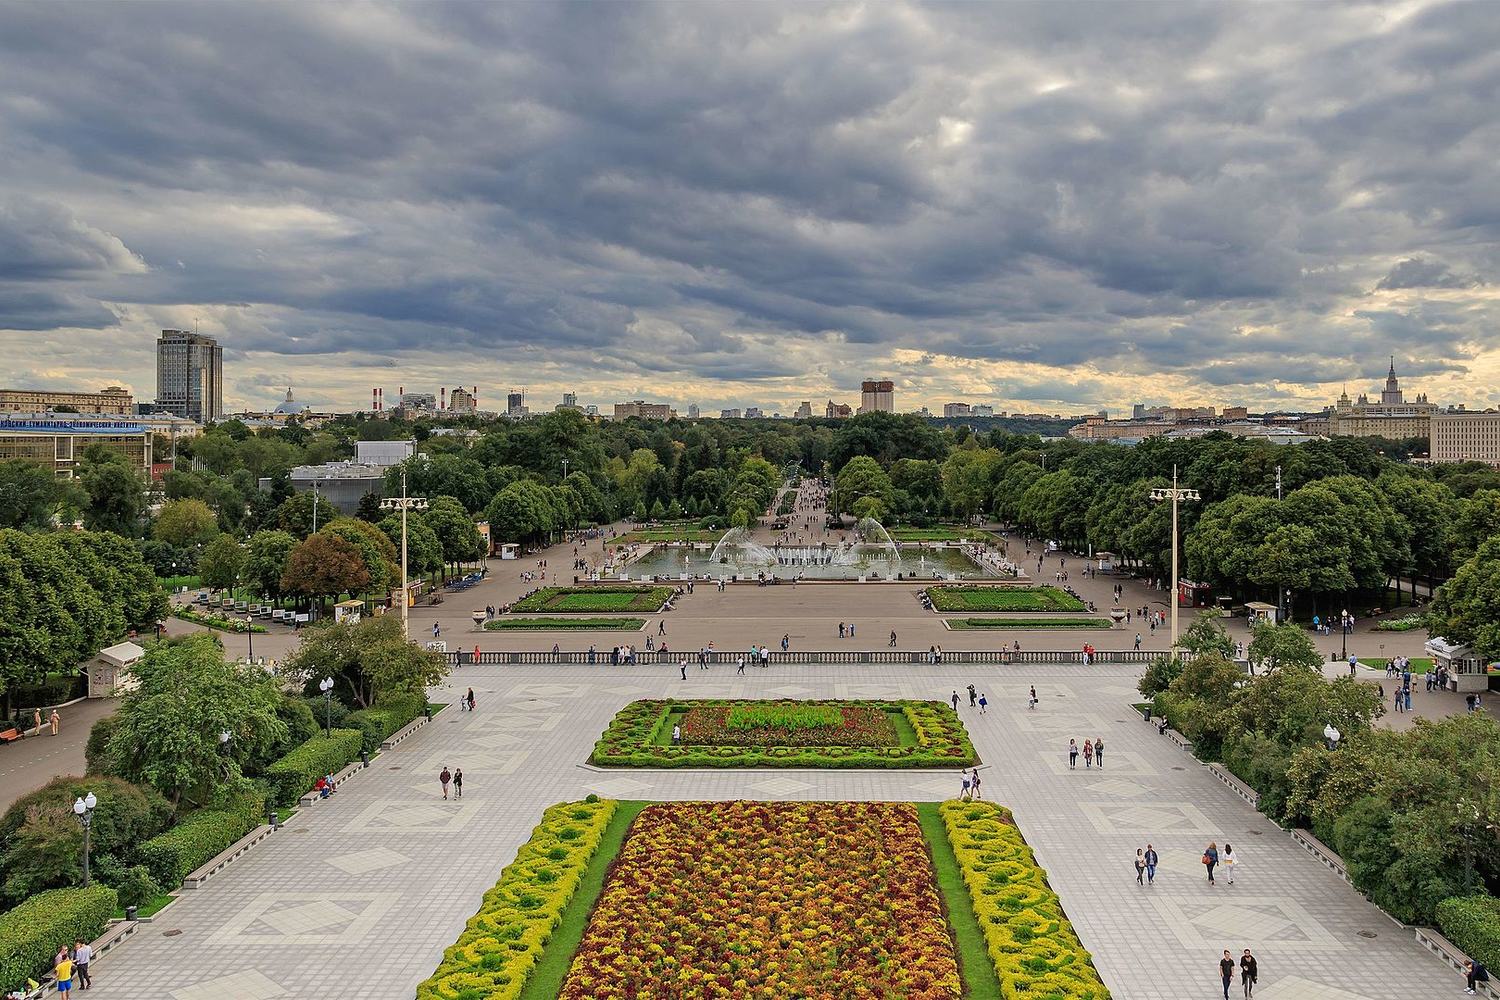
<point x="62" y="968"/>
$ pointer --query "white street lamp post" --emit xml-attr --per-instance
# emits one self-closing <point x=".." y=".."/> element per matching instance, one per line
<point x="404" y="503"/>
<point x="326" y="686"/>
<point x="83" y="808"/>
<point x="1176" y="495"/>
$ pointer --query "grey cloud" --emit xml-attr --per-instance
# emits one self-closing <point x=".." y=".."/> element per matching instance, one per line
<point x="1425" y="272"/>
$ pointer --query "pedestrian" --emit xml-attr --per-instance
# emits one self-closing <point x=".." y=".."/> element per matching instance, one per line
<point x="893" y="639"/>
<point x="983" y="704"/>
<point x="851" y="630"/>
<point x="841" y="630"/>
<point x="1099" y="753"/>
<point x="1475" y="973"/>
<point x="740" y="665"/>
<point x="973" y="696"/>
<point x="83" y="953"/>
<point x="1230" y="862"/>
<point x="1226" y="972"/>
<point x="62" y="968"/>
<point x="435" y="630"/>
<point x="445" y="776"/>
<point x="661" y="626"/>
<point x="470" y="699"/>
<point x="975" y="785"/>
<point x="1088" y="754"/>
<point x="56" y="722"/>
<point x="1210" y="860"/>
<point x="1137" y="642"/>
<point x="676" y="734"/>
<point x="964" y="791"/>
<point x="1140" y="867"/>
<point x="1249" y="971"/>
<point x="1151" y="862"/>
<point x="1072" y="755"/>
<point x="955" y="701"/>
<point x="1032" y="704"/>
<point x="36" y="720"/>
<point x="458" y="782"/>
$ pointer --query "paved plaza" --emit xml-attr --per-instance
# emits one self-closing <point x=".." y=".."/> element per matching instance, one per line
<point x="358" y="896"/>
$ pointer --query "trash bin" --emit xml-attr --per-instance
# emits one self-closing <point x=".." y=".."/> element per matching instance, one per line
<point x="273" y="819"/>
<point x="130" y="913"/>
<point x="364" y="757"/>
<point x="1145" y="713"/>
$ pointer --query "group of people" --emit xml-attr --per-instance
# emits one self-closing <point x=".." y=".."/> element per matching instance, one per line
<point x="976" y="699"/>
<point x="1093" y="751"/>
<point x="454" y="777"/>
<point x="71" y="966"/>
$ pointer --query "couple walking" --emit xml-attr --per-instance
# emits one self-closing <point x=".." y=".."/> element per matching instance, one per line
<point x="1249" y="972"/>
<point x="456" y="776"/>
<point x="1213" y="858"/>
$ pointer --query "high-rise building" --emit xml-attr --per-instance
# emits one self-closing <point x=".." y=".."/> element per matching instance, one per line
<point x="693" y="411"/>
<point x="461" y="400"/>
<point x="1393" y="417"/>
<point x="114" y="400"/>
<point x="804" y="410"/>
<point x="837" y="411"/>
<point x="956" y="410"/>
<point x="190" y="375"/>
<point x="981" y="410"/>
<point x="418" y="401"/>
<point x="754" y="413"/>
<point x="570" y="401"/>
<point x="732" y="414"/>
<point x="877" y="396"/>
<point x="515" y="403"/>
<point x="1466" y="436"/>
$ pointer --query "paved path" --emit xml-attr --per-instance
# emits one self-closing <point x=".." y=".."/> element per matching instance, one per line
<point x="359" y="895"/>
<point x="30" y="763"/>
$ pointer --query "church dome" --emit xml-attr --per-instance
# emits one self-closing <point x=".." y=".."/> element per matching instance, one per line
<point x="289" y="405"/>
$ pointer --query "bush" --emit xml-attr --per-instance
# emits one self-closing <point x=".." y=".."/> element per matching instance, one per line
<point x="989" y="598"/>
<point x="504" y="624"/>
<point x="55" y="690"/>
<point x="300" y="727"/>
<point x="219" y="622"/>
<point x="330" y="714"/>
<point x="1408" y="885"/>
<point x="298" y="771"/>
<point x="1160" y="675"/>
<point x="1472" y="923"/>
<point x="171" y="856"/>
<point x="136" y="887"/>
<point x="596" y="599"/>
<point x="96" y="757"/>
<point x="30" y="933"/>
<point x="388" y="716"/>
<point x="501" y="944"/>
<point x="43" y="842"/>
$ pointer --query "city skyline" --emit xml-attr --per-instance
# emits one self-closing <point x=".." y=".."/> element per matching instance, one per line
<point x="1192" y="204"/>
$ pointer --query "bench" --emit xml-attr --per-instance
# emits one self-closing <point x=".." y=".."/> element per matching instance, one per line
<point x="404" y="732"/>
<point x="11" y="735"/>
<point x="1235" y="785"/>
<point x="220" y="861"/>
<point x="1322" y="852"/>
<point x="117" y="931"/>
<point x="1181" y="740"/>
<point x="1450" y="953"/>
<point x="314" y="796"/>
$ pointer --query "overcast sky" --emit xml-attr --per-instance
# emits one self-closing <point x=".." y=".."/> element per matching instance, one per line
<point x="1052" y="206"/>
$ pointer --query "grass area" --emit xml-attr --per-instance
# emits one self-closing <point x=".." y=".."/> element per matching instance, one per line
<point x="546" y="979"/>
<point x="1026" y="623"/>
<point x="593" y="600"/>
<point x="904" y="729"/>
<point x="150" y="907"/>
<point x="1419" y="664"/>
<point x="980" y="981"/>
<point x="566" y="624"/>
<point x="171" y="583"/>
<point x="993" y="598"/>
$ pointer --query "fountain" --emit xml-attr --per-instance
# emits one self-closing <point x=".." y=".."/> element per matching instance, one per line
<point x="871" y="531"/>
<point x="750" y="553"/>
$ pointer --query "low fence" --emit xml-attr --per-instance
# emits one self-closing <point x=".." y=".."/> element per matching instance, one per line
<point x="778" y="658"/>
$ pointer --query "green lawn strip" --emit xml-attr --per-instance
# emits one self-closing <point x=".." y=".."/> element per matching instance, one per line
<point x="149" y="908"/>
<point x="546" y="979"/>
<point x="566" y="624"/>
<point x="662" y="735"/>
<point x="961" y="624"/>
<point x="980" y="981"/>
<point x="904" y="731"/>
<point x="971" y="598"/>
<point x="1419" y="664"/>
<point x="594" y="600"/>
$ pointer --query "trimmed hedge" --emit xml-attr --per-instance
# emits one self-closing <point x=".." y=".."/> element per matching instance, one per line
<point x="1472" y="923"/>
<point x="377" y="724"/>
<point x="1034" y="948"/>
<point x="502" y="943"/>
<point x="30" y="933"/>
<point x="295" y="774"/>
<point x="595" y="599"/>
<point x="216" y="621"/>
<point x="566" y="624"/>
<point x="630" y="740"/>
<point x="171" y="856"/>
<point x="1024" y="623"/>
<point x="983" y="598"/>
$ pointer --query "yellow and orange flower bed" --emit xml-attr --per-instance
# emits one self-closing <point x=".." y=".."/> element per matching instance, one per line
<point x="768" y="900"/>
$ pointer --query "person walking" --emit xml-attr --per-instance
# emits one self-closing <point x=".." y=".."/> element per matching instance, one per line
<point x="893" y="639"/>
<point x="975" y="785"/>
<point x="1137" y="642"/>
<point x="964" y="791"/>
<point x="739" y="666"/>
<point x="682" y="666"/>
<point x="435" y="630"/>
<point x="1140" y="867"/>
<point x="676" y="734"/>
<point x="458" y="782"/>
<point x="1226" y="972"/>
<point x="445" y="776"/>
<point x="955" y="700"/>
<point x="973" y="696"/>
<point x="83" y="953"/>
<point x="1088" y="754"/>
<point x="1249" y="971"/>
<point x="983" y="704"/>
<point x="1230" y="862"/>
<point x="56" y="722"/>
<point x="1151" y="862"/>
<point x="1210" y="860"/>
<point x="1099" y="752"/>
<point x="1072" y="754"/>
<point x="1032" y="704"/>
<point x="841" y="630"/>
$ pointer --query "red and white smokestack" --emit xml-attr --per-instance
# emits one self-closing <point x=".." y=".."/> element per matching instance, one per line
<point x="475" y="394"/>
<point x="374" y="399"/>
<point x="443" y="399"/>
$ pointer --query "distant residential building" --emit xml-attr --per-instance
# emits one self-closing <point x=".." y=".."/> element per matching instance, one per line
<point x="732" y="414"/>
<point x="981" y="410"/>
<point x="190" y="375"/>
<point x="383" y="453"/>
<point x="462" y="401"/>
<point x="570" y="401"/>
<point x="693" y="411"/>
<point x="644" y="410"/>
<point x="877" y="396"/>
<point x="591" y="410"/>
<point x="804" y="410"/>
<point x="754" y="413"/>
<point x="956" y="410"/>
<point x="58" y="441"/>
<point x="1392" y="417"/>
<point x="114" y="401"/>
<point x="1138" y="411"/>
<point x="1466" y="436"/>
<point x="1235" y="413"/>
<point x="515" y="404"/>
<point x="837" y="411"/>
<point x="1096" y="428"/>
<point x="418" y="401"/>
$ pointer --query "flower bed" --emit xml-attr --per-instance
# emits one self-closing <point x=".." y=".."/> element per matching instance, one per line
<point x="503" y="941"/>
<point x="216" y="621"/>
<point x="566" y="624"/>
<point x="635" y="737"/>
<point x="970" y="598"/>
<point x="1035" y="951"/>
<point x="1024" y="623"/>
<point x="784" y="724"/>
<point x="592" y="600"/>
<point x="751" y="900"/>
<point x="1406" y="623"/>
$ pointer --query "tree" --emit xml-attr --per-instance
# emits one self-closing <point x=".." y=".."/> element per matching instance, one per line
<point x="221" y="563"/>
<point x="115" y="493"/>
<point x="454" y="529"/>
<point x="295" y="514"/>
<point x="168" y="729"/>
<point x="265" y="561"/>
<point x="1276" y="647"/>
<point x="1204" y="636"/>
<point x="376" y="551"/>
<point x="861" y="477"/>
<point x="369" y="660"/>
<point x="1466" y="609"/>
<point x="184" y="523"/>
<point x="323" y="566"/>
<point x="31" y="496"/>
<point x="424" y="553"/>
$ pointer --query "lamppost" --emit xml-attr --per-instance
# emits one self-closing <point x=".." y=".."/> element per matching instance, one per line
<point x="404" y="503"/>
<point x="250" y="637"/>
<point x="326" y="686"/>
<point x="83" y="808"/>
<point x="1346" y="621"/>
<point x="1176" y="495"/>
<point x="224" y="737"/>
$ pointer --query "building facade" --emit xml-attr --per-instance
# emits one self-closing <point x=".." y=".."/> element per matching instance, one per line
<point x="644" y="410"/>
<point x="957" y="410"/>
<point x="59" y="442"/>
<point x="804" y="410"/>
<point x="837" y="411"/>
<point x="877" y="396"/>
<point x="1465" y="436"/>
<point x="1393" y="417"/>
<point x="461" y="400"/>
<point x="113" y="401"/>
<point x="190" y="375"/>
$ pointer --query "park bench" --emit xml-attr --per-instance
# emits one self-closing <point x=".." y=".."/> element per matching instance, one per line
<point x="338" y="779"/>
<point x="1450" y="953"/>
<point x="1321" y="851"/>
<point x="1235" y="785"/>
<point x="11" y="735"/>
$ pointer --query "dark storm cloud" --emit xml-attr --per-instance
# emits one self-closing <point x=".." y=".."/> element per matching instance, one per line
<point x="732" y="192"/>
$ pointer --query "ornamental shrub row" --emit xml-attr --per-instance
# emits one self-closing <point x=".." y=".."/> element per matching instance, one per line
<point x="388" y="716"/>
<point x="216" y="621"/>
<point x="630" y="741"/>
<point x="1033" y="945"/>
<point x="1473" y="924"/>
<point x="594" y="599"/>
<point x="298" y="771"/>
<point x="566" y="624"/>
<point x="501" y="944"/>
<point x="31" y="933"/>
<point x="199" y="836"/>
<point x="959" y="597"/>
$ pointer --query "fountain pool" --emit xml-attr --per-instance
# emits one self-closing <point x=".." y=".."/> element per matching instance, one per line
<point x="810" y="562"/>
